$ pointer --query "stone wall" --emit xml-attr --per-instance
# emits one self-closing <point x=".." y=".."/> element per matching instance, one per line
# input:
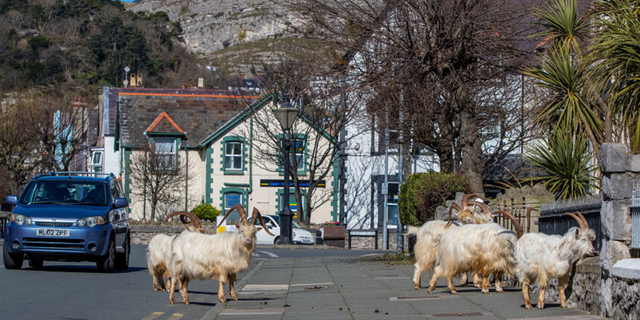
<point x="625" y="293"/>
<point x="620" y="172"/>
<point x="141" y="234"/>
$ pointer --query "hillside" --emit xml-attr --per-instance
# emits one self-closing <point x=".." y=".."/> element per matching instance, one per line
<point x="235" y="36"/>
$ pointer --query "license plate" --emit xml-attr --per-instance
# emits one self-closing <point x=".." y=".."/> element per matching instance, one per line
<point x="50" y="232"/>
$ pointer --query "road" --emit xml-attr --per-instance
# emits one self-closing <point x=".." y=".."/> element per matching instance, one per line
<point x="69" y="290"/>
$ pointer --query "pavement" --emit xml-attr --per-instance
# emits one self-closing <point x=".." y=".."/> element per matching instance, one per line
<point x="366" y="288"/>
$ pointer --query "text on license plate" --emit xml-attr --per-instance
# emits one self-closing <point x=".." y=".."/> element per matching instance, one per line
<point x="53" y="232"/>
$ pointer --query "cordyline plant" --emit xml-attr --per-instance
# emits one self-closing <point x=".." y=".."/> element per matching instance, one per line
<point x="565" y="159"/>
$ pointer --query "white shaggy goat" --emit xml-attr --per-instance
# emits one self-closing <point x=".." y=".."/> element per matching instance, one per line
<point x="428" y="236"/>
<point x="217" y="256"/>
<point x="541" y="257"/>
<point x="485" y="249"/>
<point x="159" y="250"/>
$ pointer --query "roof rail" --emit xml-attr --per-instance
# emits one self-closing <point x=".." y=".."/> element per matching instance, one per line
<point x="80" y="173"/>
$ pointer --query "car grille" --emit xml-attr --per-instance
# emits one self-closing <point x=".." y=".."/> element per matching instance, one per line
<point x="54" y="224"/>
<point x="53" y="243"/>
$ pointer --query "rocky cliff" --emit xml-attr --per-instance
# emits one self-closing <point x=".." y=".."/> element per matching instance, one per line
<point x="212" y="25"/>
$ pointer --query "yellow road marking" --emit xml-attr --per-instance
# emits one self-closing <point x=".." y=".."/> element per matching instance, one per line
<point x="153" y="316"/>
<point x="176" y="316"/>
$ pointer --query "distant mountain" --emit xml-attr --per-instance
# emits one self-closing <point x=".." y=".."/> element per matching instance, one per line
<point x="213" y="25"/>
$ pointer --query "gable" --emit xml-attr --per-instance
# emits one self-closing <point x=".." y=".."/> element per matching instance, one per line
<point x="164" y="125"/>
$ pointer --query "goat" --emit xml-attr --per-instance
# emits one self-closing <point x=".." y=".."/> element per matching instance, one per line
<point x="428" y="237"/>
<point x="481" y="248"/>
<point x="468" y="211"/>
<point x="159" y="250"/>
<point x="542" y="257"/>
<point x="220" y="256"/>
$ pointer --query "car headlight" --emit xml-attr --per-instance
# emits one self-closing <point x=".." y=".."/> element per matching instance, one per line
<point x="21" y="220"/>
<point x="90" y="222"/>
<point x="294" y="234"/>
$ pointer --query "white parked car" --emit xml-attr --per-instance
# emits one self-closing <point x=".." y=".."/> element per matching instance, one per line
<point x="299" y="235"/>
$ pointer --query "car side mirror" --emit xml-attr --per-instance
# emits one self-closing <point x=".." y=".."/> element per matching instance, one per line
<point x="121" y="202"/>
<point x="12" y="200"/>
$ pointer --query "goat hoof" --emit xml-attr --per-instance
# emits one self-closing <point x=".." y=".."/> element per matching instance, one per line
<point x="499" y="290"/>
<point x="540" y="306"/>
<point x="528" y="307"/>
<point x="454" y="292"/>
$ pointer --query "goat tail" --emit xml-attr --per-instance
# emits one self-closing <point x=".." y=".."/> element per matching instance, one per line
<point x="412" y="230"/>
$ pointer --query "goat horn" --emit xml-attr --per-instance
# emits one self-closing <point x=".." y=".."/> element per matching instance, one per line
<point x="183" y="218"/>
<point x="240" y="209"/>
<point x="516" y="223"/>
<point x="257" y="214"/>
<point x="452" y="206"/>
<point x="584" y="220"/>
<point x="528" y="214"/>
<point x="465" y="199"/>
<point x="485" y="208"/>
<point x="586" y="224"/>
<point x="580" y="221"/>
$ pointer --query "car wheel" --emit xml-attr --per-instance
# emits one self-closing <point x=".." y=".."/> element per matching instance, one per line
<point x="12" y="260"/>
<point x="107" y="262"/>
<point x="275" y="241"/>
<point x="36" y="262"/>
<point x="122" y="259"/>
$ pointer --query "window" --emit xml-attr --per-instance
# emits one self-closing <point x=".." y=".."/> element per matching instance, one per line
<point x="233" y="155"/>
<point x="96" y="161"/>
<point x="298" y="153"/>
<point x="165" y="153"/>
<point x="293" y="203"/>
<point x="230" y="200"/>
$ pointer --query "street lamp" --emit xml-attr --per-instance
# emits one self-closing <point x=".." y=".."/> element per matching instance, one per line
<point x="126" y="76"/>
<point x="286" y="115"/>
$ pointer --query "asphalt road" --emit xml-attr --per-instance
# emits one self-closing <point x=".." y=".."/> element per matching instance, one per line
<point x="69" y="290"/>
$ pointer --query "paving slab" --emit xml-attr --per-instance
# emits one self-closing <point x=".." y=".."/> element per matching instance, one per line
<point x="341" y="288"/>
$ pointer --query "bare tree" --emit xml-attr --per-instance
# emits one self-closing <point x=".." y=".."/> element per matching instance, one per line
<point x="19" y="144"/>
<point x="321" y="94"/>
<point x="428" y="64"/>
<point x="62" y="125"/>
<point x="160" y="177"/>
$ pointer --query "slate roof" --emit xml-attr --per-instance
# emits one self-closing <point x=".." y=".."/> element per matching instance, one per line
<point x="194" y="114"/>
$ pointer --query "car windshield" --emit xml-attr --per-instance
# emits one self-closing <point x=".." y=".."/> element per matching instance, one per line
<point x="65" y="192"/>
<point x="294" y="224"/>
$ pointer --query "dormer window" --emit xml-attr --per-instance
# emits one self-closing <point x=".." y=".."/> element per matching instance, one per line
<point x="164" y="150"/>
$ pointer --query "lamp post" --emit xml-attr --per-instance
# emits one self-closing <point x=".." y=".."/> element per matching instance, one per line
<point x="126" y="76"/>
<point x="286" y="115"/>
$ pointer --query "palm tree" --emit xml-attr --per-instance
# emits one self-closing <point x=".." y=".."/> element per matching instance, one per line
<point x="566" y="160"/>
<point x="563" y="72"/>
<point x="615" y="59"/>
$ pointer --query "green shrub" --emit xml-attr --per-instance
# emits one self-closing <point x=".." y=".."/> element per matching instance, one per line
<point x="422" y="193"/>
<point x="205" y="211"/>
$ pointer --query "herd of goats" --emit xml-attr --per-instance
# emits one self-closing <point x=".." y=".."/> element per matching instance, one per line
<point x="472" y="244"/>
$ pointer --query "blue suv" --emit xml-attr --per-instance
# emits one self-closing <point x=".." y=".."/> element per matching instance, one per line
<point x="69" y="216"/>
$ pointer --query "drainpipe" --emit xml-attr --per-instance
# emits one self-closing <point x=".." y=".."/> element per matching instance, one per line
<point x="186" y="180"/>
<point x="250" y="156"/>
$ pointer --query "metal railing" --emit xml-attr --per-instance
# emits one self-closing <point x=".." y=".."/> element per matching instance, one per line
<point x="635" y="218"/>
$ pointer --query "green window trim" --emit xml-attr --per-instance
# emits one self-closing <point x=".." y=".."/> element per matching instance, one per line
<point x="243" y="194"/>
<point x="292" y="193"/>
<point x="305" y="164"/>
<point x="223" y="155"/>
